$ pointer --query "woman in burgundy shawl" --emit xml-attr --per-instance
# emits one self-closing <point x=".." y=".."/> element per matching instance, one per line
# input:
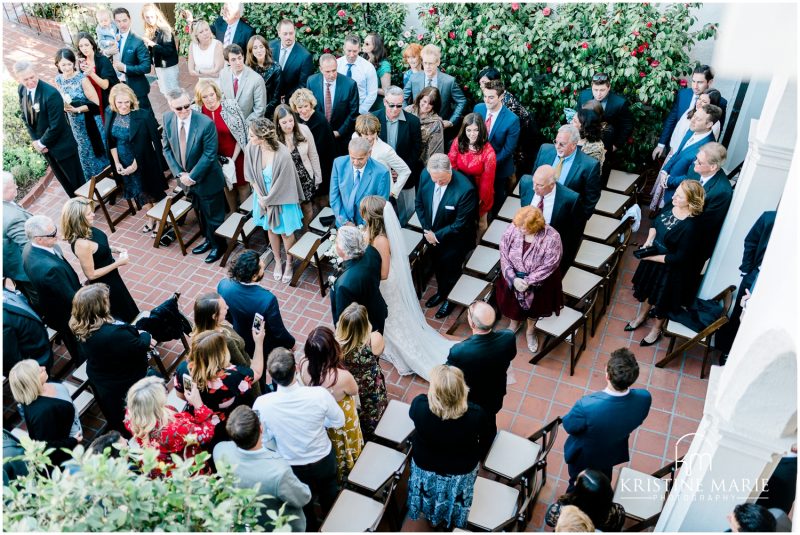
<point x="530" y="284"/>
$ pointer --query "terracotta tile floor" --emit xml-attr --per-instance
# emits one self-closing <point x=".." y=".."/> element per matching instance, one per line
<point x="540" y="393"/>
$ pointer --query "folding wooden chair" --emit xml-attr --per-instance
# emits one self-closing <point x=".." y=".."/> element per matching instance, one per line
<point x="595" y="257"/>
<point x="99" y="189"/>
<point x="395" y="426"/>
<point x="622" y="182"/>
<point x="643" y="495"/>
<point x="604" y="229"/>
<point x="376" y="465"/>
<point x="676" y="330"/>
<point x="237" y="228"/>
<point x="510" y="208"/>
<point x="168" y="212"/>
<point x="612" y="204"/>
<point x="578" y="285"/>
<point x="483" y="262"/>
<point x="467" y="290"/>
<point x="310" y="249"/>
<point x="564" y="328"/>
<point x="354" y="512"/>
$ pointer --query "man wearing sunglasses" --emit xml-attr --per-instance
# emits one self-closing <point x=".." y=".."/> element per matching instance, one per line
<point x="53" y="278"/>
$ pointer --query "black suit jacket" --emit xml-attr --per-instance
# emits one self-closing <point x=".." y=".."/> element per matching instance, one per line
<point x="454" y="224"/>
<point x="484" y="359"/>
<point x="56" y="283"/>
<point x="295" y="72"/>
<point x="566" y="217"/>
<point x="617" y="113"/>
<point x="409" y="143"/>
<point x="105" y="70"/>
<point x="137" y="62"/>
<point x="345" y="103"/>
<point x="583" y="177"/>
<point x="755" y="243"/>
<point x="241" y="36"/>
<point x="145" y="144"/>
<point x="360" y="283"/>
<point x="719" y="194"/>
<point x="49" y="125"/>
<point x="24" y="333"/>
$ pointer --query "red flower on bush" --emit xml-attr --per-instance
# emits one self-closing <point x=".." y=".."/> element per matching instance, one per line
<point x="528" y="46"/>
<point x="649" y="24"/>
<point x="341" y="13"/>
<point x="549" y="69"/>
<point x="682" y="83"/>
<point x="642" y="74"/>
<point x="514" y="6"/>
<point x="452" y="35"/>
<point x="298" y="24"/>
<point x="636" y="33"/>
<point x="584" y="45"/>
<point x="432" y="11"/>
<point x="350" y="21"/>
<point x="546" y="12"/>
<point x="642" y="48"/>
<point x="633" y="53"/>
<point x="563" y="89"/>
<point x="630" y="141"/>
<point x="469" y="32"/>
<point x="655" y="63"/>
<point x="646" y="45"/>
<point x="603" y="22"/>
<point x="186" y="29"/>
<point x="327" y="50"/>
<point x="420" y="37"/>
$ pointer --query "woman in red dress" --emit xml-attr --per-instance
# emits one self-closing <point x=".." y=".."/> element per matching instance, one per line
<point x="231" y="134"/>
<point x="472" y="154"/>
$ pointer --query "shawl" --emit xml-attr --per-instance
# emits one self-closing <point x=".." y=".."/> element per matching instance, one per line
<point x="232" y="116"/>
<point x="539" y="261"/>
<point x="285" y="188"/>
<point x="432" y="133"/>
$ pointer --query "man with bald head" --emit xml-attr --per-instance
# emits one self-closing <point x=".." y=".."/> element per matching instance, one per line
<point x="559" y="205"/>
<point x="484" y="358"/>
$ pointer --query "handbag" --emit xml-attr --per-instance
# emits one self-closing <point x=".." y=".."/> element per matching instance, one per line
<point x="229" y="171"/>
<point x="645" y="252"/>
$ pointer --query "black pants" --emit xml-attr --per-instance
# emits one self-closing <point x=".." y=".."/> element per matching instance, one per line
<point x="68" y="171"/>
<point x="211" y="213"/>
<point x="321" y="478"/>
<point x="447" y="264"/>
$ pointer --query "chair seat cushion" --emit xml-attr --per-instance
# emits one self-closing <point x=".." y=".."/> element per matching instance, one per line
<point x="467" y="290"/>
<point x="561" y="324"/>
<point x="601" y="227"/>
<point x="315" y="224"/>
<point x="375" y="466"/>
<point x="593" y="255"/>
<point x="578" y="283"/>
<point x="673" y="328"/>
<point x="642" y="495"/>
<point x="511" y="455"/>
<point x="483" y="259"/>
<point x="510" y="208"/>
<point x="395" y="425"/>
<point x="495" y="232"/>
<point x="229" y="226"/>
<point x="352" y="512"/>
<point x="621" y="181"/>
<point x="492" y="504"/>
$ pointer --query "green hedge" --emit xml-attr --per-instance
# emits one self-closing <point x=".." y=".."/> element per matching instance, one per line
<point x="19" y="158"/>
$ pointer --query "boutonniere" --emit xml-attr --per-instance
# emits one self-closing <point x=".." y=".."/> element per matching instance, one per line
<point x="333" y="257"/>
<point x="36" y="107"/>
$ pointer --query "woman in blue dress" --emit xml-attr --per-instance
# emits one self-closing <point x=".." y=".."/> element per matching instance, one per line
<point x="81" y="103"/>
<point x="269" y="168"/>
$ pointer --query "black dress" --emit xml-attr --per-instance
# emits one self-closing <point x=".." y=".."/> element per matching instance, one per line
<point x="326" y="146"/>
<point x="123" y="306"/>
<point x="50" y="420"/>
<point x="272" y="81"/>
<point x="664" y="285"/>
<point x="116" y="357"/>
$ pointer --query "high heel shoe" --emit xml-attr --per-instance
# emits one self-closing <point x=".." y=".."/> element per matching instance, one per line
<point x="630" y="327"/>
<point x="645" y="343"/>
<point x="277" y="272"/>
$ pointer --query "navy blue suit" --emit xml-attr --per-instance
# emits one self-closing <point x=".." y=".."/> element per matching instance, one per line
<point x="503" y="139"/>
<point x="345" y="106"/>
<point x="583" y="177"/>
<point x="136" y="58"/>
<point x="681" y="105"/>
<point x="295" y="72"/>
<point x="375" y="180"/>
<point x="240" y="37"/>
<point x="681" y="164"/>
<point x="599" y="425"/>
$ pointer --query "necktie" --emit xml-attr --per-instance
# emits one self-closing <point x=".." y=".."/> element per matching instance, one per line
<point x="559" y="166"/>
<point x="282" y="59"/>
<point x="182" y="142"/>
<point x="350" y="70"/>
<point x="358" y="177"/>
<point x="228" y="36"/>
<point x="437" y="197"/>
<point x="29" y="108"/>
<point x="122" y="44"/>
<point x="540" y="206"/>
<point x="488" y="122"/>
<point x="328" y="102"/>
<point x="235" y="86"/>
<point x="353" y="200"/>
<point x="429" y="82"/>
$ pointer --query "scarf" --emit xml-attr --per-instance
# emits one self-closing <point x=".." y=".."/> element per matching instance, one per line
<point x="285" y="188"/>
<point x="539" y="261"/>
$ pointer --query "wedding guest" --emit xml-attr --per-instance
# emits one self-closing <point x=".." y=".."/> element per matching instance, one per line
<point x="134" y="58"/>
<point x="278" y="192"/>
<point x="295" y="61"/>
<point x="160" y="40"/>
<point x="98" y="70"/>
<point x="453" y="99"/>
<point x="337" y="100"/>
<point x="229" y="28"/>
<point x="107" y="33"/>
<point x="242" y="84"/>
<point x="369" y="127"/>
<point x="95" y="254"/>
<point x="361" y="71"/>
<point x="590" y="128"/>
<point x="606" y="130"/>
<point x="304" y="105"/>
<point x="231" y="136"/>
<point x="526" y="119"/>
<point x="426" y="107"/>
<point x="530" y="283"/>
<point x="573" y="520"/>
<point x="14" y="239"/>
<point x="81" y="104"/>
<point x="299" y="140"/>
<point x="205" y="52"/>
<point x="412" y="56"/>
<point x="354" y="177"/>
<point x="134" y="147"/>
<point x="259" y="58"/>
<point x="25" y="335"/>
<point x="593" y="496"/>
<point x="375" y="52"/>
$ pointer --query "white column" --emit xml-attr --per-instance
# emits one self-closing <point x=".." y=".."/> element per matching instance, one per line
<point x="761" y="183"/>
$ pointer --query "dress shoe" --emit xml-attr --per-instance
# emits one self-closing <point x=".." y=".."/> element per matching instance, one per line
<point x="645" y="343"/>
<point x="213" y="256"/>
<point x="434" y="300"/>
<point x="202" y="248"/>
<point x="444" y="310"/>
<point x="631" y="327"/>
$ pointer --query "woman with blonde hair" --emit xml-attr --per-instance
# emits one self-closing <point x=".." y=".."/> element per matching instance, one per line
<point x="223" y="386"/>
<point x="451" y="437"/>
<point x="573" y="520"/>
<point x="163" y="46"/>
<point x="205" y="52"/>
<point x="259" y="58"/>
<point x="412" y="346"/>
<point x="111" y="371"/>
<point x="360" y="350"/>
<point x="157" y="425"/>
<point x="47" y="408"/>
<point x="276" y="204"/>
<point x="369" y="127"/>
<point x="134" y="150"/>
<point x="304" y="105"/>
<point x="231" y="135"/>
<point x="94" y="253"/>
<point x="300" y="141"/>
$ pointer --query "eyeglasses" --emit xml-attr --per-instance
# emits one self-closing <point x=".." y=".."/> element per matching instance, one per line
<point x="561" y="143"/>
<point x="181" y="108"/>
<point x="51" y="235"/>
<point x="394" y="105"/>
<point x="600" y="78"/>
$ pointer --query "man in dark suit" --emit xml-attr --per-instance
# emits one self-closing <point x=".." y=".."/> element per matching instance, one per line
<point x="134" y="58"/>
<point x="599" y="424"/>
<point x="354" y="177"/>
<point x="560" y="207"/>
<point x="190" y="148"/>
<point x="43" y="111"/>
<point x="402" y="131"/>
<point x="453" y="100"/>
<point x="361" y="279"/>
<point x="446" y="205"/>
<point x="295" y="61"/>
<point x="337" y="100"/>
<point x="702" y="79"/>
<point x="14" y="239"/>
<point x="573" y="169"/>
<point x="229" y="28"/>
<point x="54" y="279"/>
<point x="484" y="358"/>
<point x="245" y="297"/>
<point x="503" y="127"/>
<point x="24" y="333"/>
<point x="719" y="193"/>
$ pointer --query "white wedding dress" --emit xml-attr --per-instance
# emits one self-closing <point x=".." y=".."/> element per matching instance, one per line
<point x="412" y="346"/>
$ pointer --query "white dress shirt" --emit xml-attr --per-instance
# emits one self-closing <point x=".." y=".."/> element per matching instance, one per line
<point x="549" y="201"/>
<point x="434" y="204"/>
<point x="365" y="76"/>
<point x="296" y="417"/>
<point x="284" y="55"/>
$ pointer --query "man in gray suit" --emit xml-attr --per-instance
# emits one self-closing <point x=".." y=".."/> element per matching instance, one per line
<point x="453" y="99"/>
<point x="244" y="85"/>
<point x="14" y="239"/>
<point x="190" y="148"/>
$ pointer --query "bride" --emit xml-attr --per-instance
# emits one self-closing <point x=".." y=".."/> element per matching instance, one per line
<point x="412" y="345"/>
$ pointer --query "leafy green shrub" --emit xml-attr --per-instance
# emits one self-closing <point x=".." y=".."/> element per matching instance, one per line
<point x="19" y="158"/>
<point x="77" y="17"/>
<point x="104" y="494"/>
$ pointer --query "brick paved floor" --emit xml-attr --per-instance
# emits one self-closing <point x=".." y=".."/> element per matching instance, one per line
<point x="540" y="393"/>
